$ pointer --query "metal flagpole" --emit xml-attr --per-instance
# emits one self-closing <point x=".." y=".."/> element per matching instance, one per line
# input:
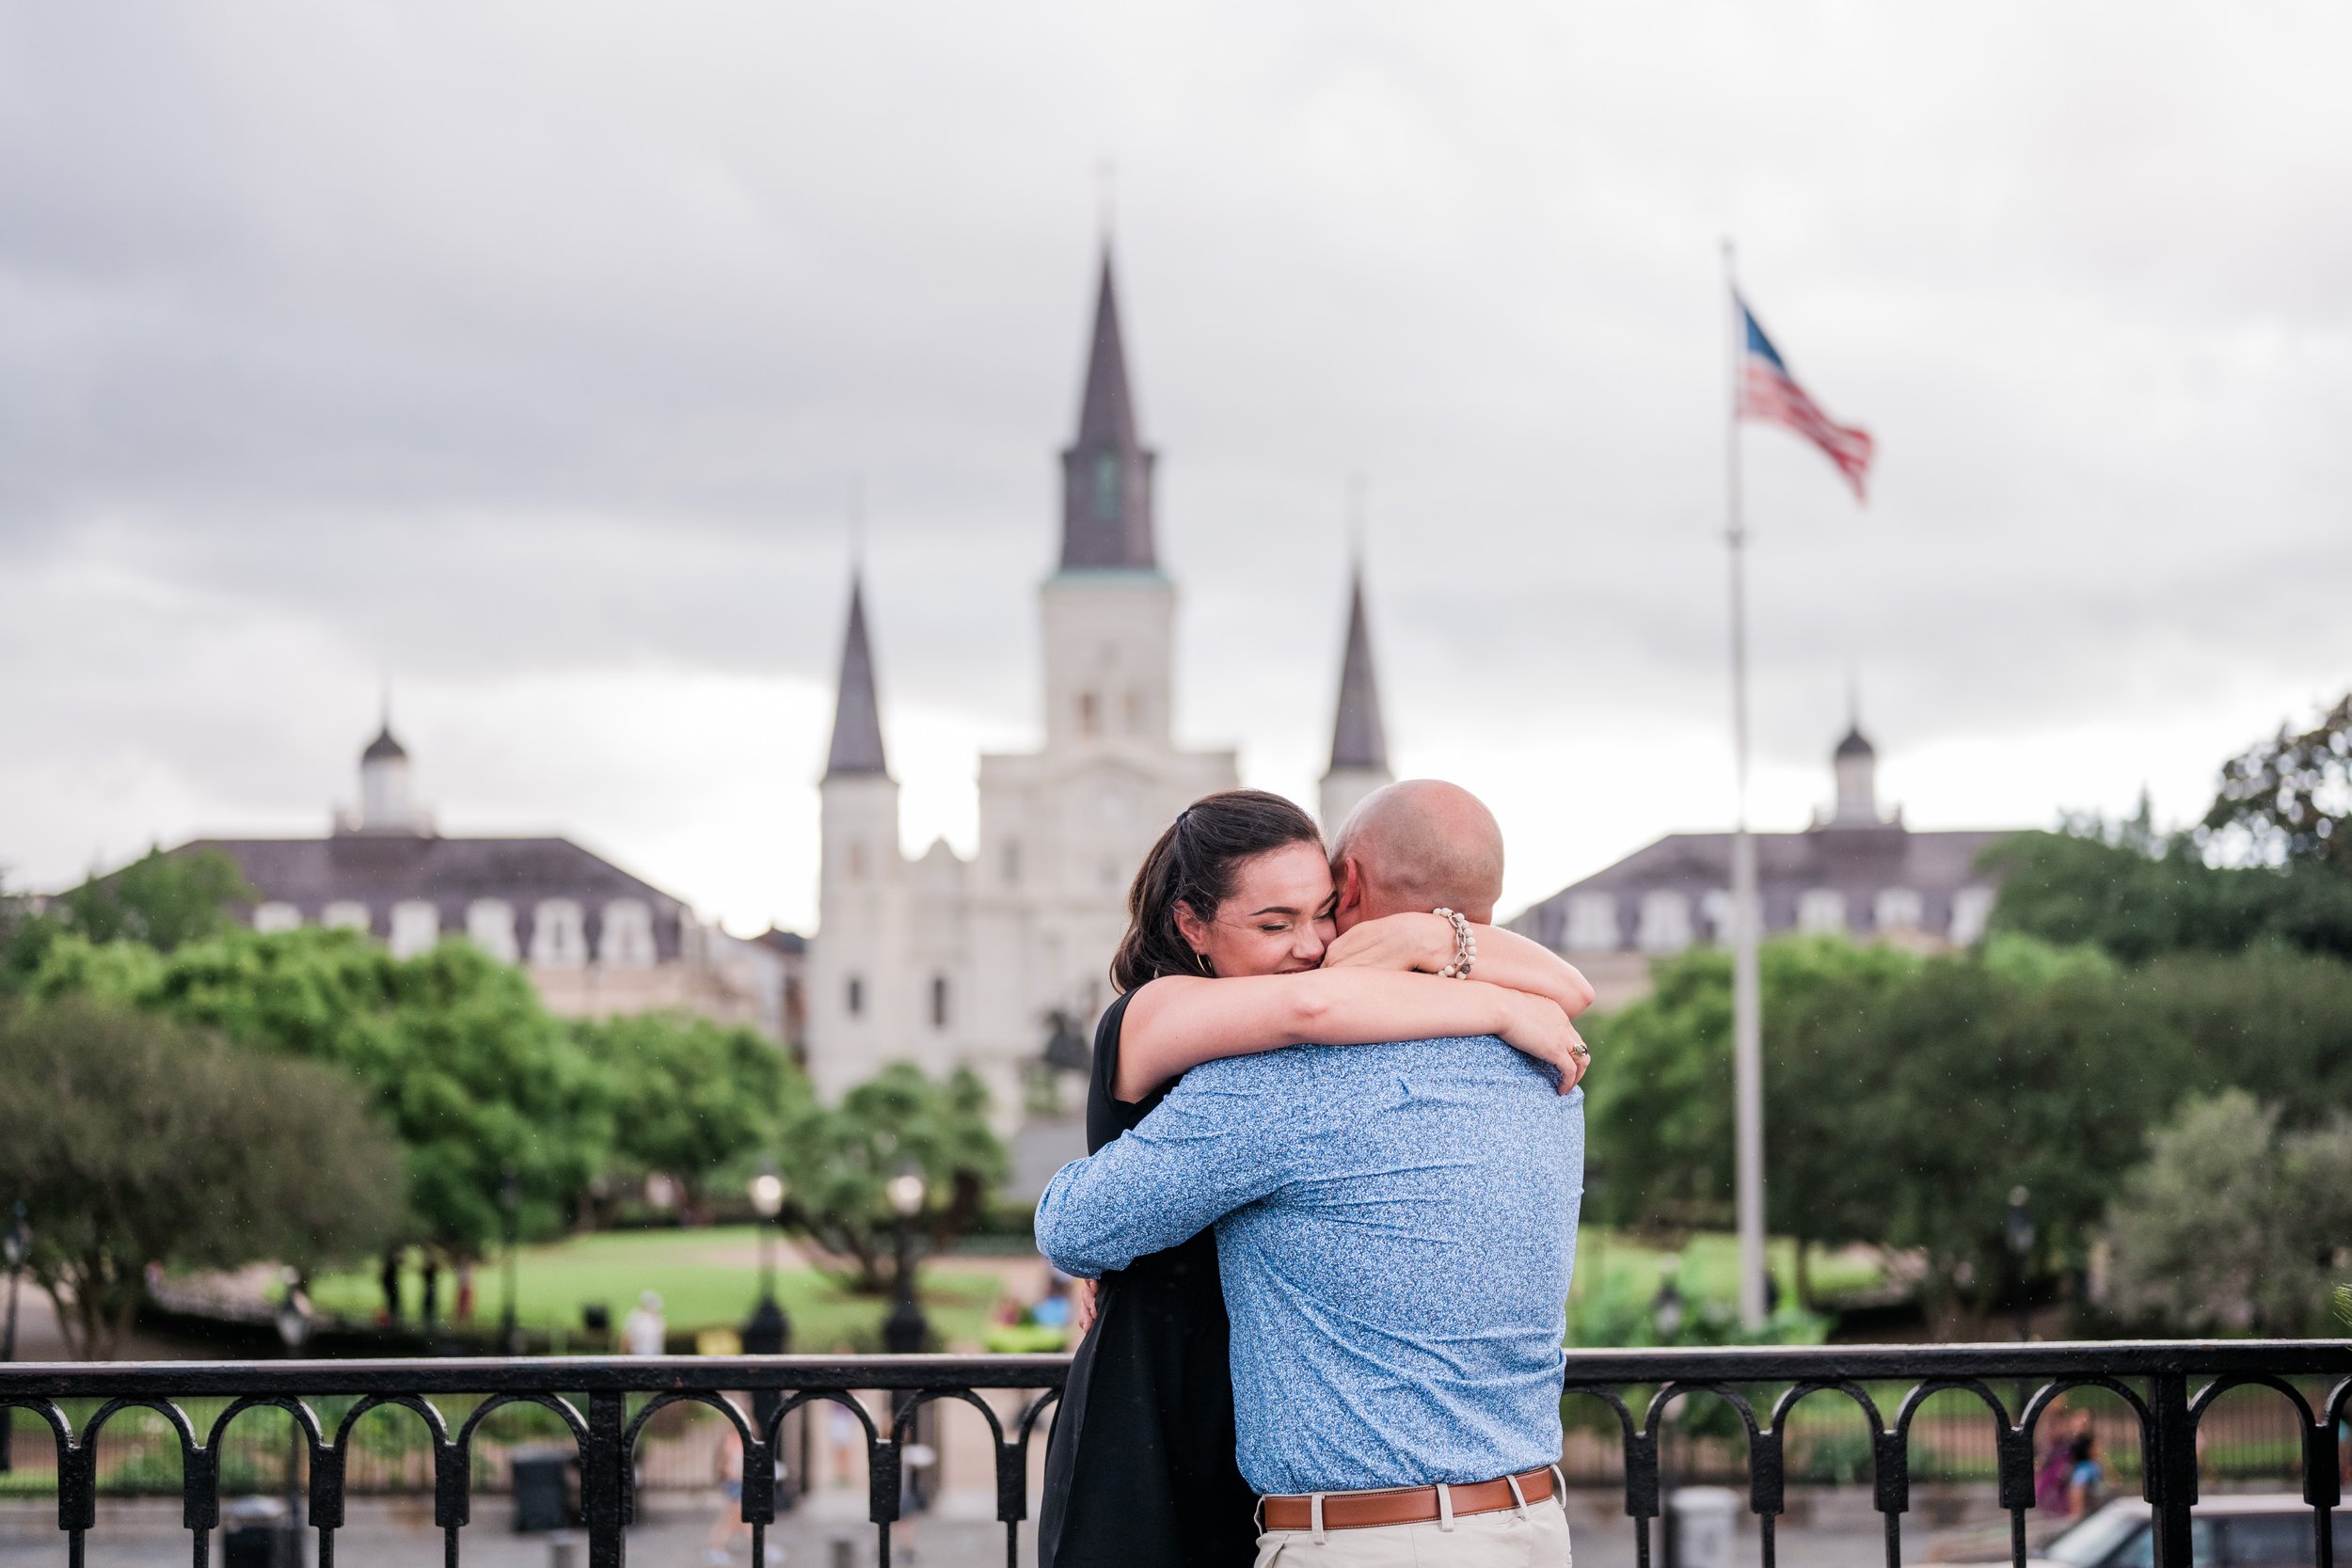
<point x="1747" y="1032"/>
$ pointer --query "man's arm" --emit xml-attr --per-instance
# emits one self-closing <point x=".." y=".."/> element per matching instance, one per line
<point x="1211" y="1146"/>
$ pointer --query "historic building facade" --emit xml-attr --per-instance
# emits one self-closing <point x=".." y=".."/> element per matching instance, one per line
<point x="946" y="962"/>
<point x="1855" y="871"/>
<point x="594" y="939"/>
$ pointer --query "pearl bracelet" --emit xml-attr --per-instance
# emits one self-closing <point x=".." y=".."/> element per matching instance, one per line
<point x="1464" y="946"/>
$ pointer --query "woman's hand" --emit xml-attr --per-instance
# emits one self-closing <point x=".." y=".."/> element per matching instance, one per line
<point x="1082" y="1305"/>
<point x="1539" y="1028"/>
<point x="1398" y="942"/>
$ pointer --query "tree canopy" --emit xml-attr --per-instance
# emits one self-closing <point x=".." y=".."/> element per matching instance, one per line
<point x="134" y="1138"/>
<point x="838" y="1159"/>
<point x="2234" y="1224"/>
<point x="2291" y="797"/>
<point x="163" y="900"/>
<point x="470" y="1071"/>
<point x="1905" y="1097"/>
<point x="691" y="1098"/>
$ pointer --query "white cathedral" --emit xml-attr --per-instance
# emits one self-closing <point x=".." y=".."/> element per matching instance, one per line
<point x="948" y="963"/>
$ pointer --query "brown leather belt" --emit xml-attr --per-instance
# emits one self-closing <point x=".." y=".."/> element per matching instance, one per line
<point x="1405" y="1505"/>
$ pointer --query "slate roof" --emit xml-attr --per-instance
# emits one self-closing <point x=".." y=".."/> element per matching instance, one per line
<point x="381" y="870"/>
<point x="857" y="741"/>
<point x="1858" y="862"/>
<point x="383" y="748"/>
<point x="1359" y="738"/>
<point x="1856" y="744"/>
<point x="1119" y="538"/>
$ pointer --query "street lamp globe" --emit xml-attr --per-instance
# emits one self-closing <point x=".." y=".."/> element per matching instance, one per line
<point x="906" y="1192"/>
<point x="767" y="1192"/>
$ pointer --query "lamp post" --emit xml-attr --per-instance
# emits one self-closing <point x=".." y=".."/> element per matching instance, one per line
<point x="904" y="1330"/>
<point x="510" y="1211"/>
<point x="2017" y="1231"/>
<point x="294" y="1328"/>
<point x="16" y="1244"/>
<point x="769" y="1330"/>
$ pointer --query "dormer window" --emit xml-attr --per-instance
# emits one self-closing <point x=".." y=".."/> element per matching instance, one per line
<point x="416" y="927"/>
<point x="1593" y="922"/>
<point x="559" y="934"/>
<point x="1665" y="922"/>
<point x="344" y="914"/>
<point x="1899" y="909"/>
<point x="277" y="917"/>
<point x="627" y="939"/>
<point x="490" y="926"/>
<point x="1822" y="911"/>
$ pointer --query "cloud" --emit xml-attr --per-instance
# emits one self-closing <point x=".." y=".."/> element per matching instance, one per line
<point x="527" y="353"/>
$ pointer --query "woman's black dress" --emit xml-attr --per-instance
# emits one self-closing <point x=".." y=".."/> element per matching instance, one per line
<point x="1140" y="1470"/>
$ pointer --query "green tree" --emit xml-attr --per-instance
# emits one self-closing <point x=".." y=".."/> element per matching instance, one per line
<point x="2232" y="1225"/>
<point x="839" y="1158"/>
<point x="1659" y="1117"/>
<point x="692" y="1096"/>
<point x="134" y="1139"/>
<point x="161" y="900"/>
<point x="471" y="1072"/>
<point x="2138" y="895"/>
<point x="1904" y="1098"/>
<point x="2291" y="797"/>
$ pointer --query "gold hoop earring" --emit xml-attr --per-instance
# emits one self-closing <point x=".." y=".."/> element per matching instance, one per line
<point x="1203" y="959"/>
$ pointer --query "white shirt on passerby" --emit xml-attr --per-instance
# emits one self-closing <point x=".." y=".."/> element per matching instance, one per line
<point x="644" y="1332"/>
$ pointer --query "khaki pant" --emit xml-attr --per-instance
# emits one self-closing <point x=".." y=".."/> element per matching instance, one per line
<point x="1502" y="1539"/>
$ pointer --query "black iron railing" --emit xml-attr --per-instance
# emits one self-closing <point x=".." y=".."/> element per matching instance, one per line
<point x="2162" y="1392"/>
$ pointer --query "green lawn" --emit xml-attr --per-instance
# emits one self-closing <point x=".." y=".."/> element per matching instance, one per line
<point x="1709" y="1265"/>
<point x="707" y="1279"/>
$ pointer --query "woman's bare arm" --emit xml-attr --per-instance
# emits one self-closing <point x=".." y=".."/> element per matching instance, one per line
<point x="1425" y="942"/>
<point x="1177" y="1022"/>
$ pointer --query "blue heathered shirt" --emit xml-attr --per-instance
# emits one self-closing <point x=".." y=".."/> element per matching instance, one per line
<point x="1395" y="1224"/>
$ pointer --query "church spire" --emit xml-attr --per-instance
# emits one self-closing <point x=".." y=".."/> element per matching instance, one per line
<point x="857" y="742"/>
<point x="1358" y="739"/>
<point x="1106" y="473"/>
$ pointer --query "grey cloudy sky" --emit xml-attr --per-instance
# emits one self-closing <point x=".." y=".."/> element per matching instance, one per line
<point x="527" y="352"/>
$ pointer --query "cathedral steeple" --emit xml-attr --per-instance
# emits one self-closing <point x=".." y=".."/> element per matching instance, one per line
<point x="1106" y="473"/>
<point x="857" y="742"/>
<point x="1360" y="741"/>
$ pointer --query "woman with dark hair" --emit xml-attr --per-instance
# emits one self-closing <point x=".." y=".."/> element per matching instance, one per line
<point x="1140" y="1467"/>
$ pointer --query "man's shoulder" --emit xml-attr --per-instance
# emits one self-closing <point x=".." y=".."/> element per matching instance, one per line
<point x="1300" y="1069"/>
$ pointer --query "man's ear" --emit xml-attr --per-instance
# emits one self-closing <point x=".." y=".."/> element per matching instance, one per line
<point x="1351" y="893"/>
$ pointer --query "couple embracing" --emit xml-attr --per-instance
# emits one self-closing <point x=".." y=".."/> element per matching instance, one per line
<point x="1331" y="1207"/>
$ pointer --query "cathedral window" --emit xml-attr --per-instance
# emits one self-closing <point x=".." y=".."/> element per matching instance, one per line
<point x="1089" y="714"/>
<point x="939" y="1002"/>
<point x="277" y="917"/>
<point x="627" y="939"/>
<point x="1107" y="486"/>
<point x="856" y="997"/>
<point x="490" y="926"/>
<point x="1822" y="911"/>
<point x="416" y="927"/>
<point x="344" y="914"/>
<point x="559" y="934"/>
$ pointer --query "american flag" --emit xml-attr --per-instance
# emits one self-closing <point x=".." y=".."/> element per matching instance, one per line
<point x="1768" y="392"/>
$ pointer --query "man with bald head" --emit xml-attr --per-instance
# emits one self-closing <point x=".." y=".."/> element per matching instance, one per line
<point x="1421" y="844"/>
<point x="1395" y="1227"/>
